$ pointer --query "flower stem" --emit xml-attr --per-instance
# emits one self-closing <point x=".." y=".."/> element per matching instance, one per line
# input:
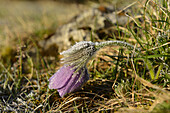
<point x="99" y="45"/>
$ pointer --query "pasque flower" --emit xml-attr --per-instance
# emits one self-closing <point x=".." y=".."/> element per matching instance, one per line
<point x="74" y="73"/>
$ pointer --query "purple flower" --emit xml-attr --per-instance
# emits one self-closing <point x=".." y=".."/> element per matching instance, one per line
<point x="74" y="74"/>
<point x="65" y="81"/>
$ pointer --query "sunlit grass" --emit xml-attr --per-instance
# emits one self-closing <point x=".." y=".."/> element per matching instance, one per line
<point x="120" y="80"/>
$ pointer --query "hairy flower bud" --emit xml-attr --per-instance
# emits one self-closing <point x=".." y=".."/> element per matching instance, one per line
<point x="79" y="54"/>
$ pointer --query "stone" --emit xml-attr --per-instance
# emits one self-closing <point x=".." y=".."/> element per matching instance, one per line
<point x="84" y="26"/>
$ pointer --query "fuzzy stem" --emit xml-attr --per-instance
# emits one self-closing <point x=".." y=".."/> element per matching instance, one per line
<point x="99" y="45"/>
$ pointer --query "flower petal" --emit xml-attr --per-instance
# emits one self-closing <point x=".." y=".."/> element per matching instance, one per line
<point x="61" y="77"/>
<point x="75" y="83"/>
